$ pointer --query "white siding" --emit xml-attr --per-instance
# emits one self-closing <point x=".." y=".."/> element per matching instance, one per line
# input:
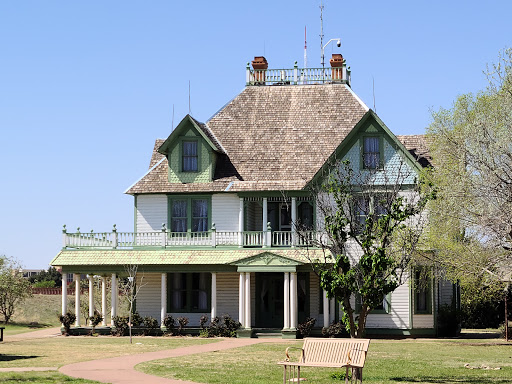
<point x="314" y="299"/>
<point x="148" y="299"/>
<point x="151" y="212"/>
<point x="398" y="317"/>
<point x="225" y="208"/>
<point x="423" y="321"/>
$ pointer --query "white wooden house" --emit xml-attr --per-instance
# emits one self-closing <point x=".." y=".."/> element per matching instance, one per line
<point x="214" y="214"/>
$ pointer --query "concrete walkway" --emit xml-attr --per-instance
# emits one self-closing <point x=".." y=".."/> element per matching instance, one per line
<point x="39" y="334"/>
<point x="120" y="370"/>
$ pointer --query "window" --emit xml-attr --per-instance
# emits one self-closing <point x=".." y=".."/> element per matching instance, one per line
<point x="305" y="213"/>
<point x="190" y="156"/>
<point x="384" y="307"/>
<point x="188" y="292"/>
<point x="371" y="152"/>
<point x="364" y="206"/>
<point x="422" y="292"/>
<point x="189" y="214"/>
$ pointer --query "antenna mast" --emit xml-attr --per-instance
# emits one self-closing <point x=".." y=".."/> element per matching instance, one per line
<point x="322" y="32"/>
<point x="305" y="50"/>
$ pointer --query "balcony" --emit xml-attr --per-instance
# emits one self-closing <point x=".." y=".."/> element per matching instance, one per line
<point x="166" y="239"/>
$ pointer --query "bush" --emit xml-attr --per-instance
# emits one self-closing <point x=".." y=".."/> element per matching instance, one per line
<point x="334" y="330"/>
<point x="95" y="319"/>
<point x="120" y="325"/>
<point x="306" y="327"/>
<point x="44" y="284"/>
<point x="150" y="323"/>
<point x="202" y="321"/>
<point x="182" y="322"/>
<point x="448" y="321"/>
<point x="137" y="320"/>
<point x="169" y="324"/>
<point x="226" y="328"/>
<point x="67" y="320"/>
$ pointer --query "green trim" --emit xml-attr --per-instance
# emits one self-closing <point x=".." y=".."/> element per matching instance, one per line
<point x="119" y="269"/>
<point x="283" y="194"/>
<point x="188" y="199"/>
<point x="401" y="332"/>
<point x="429" y="294"/>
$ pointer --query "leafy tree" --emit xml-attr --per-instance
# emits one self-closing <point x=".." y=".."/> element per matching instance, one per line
<point x="471" y="224"/>
<point x="50" y="275"/>
<point x="372" y="230"/>
<point x="14" y="288"/>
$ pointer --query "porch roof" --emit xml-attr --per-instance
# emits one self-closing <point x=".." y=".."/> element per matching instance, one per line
<point x="111" y="257"/>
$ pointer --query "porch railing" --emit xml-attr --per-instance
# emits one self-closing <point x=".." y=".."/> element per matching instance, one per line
<point x="168" y="239"/>
<point x="298" y="76"/>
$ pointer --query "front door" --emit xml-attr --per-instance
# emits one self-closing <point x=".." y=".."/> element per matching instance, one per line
<point x="269" y="300"/>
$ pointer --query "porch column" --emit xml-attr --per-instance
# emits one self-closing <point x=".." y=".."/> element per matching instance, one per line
<point x="91" y="295"/>
<point x="247" y="300"/>
<point x="104" y="300"/>
<point x="286" y="300"/>
<point x="265" y="220"/>
<point x="332" y="309"/>
<point x="294" y="221"/>
<point x="163" y="299"/>
<point x="113" y="300"/>
<point x="293" y="300"/>
<point x="326" y="308"/>
<point x="214" y="295"/>
<point x="241" y="224"/>
<point x="241" y="299"/>
<point x="64" y="293"/>
<point x="77" y="299"/>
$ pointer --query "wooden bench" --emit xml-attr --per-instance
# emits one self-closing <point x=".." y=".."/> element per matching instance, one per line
<point x="2" y="333"/>
<point x="328" y="353"/>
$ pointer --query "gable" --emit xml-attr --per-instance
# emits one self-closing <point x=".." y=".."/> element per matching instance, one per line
<point x="266" y="262"/>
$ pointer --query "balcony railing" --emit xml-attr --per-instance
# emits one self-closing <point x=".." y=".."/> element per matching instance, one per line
<point x="168" y="239"/>
<point x="298" y="76"/>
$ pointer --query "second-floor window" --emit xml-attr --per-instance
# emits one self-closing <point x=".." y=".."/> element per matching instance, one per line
<point x="371" y="152"/>
<point x="190" y="156"/>
<point x="189" y="214"/>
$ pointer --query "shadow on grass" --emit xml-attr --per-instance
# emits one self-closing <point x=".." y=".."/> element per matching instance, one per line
<point x="441" y="380"/>
<point x="15" y="357"/>
<point x="31" y="325"/>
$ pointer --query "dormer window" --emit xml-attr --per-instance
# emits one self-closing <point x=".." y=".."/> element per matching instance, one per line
<point x="371" y="152"/>
<point x="190" y="156"/>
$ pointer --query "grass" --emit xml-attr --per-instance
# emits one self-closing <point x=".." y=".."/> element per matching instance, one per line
<point x="40" y="378"/>
<point x="389" y="361"/>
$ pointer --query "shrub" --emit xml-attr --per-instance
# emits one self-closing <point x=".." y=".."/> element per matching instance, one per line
<point x="150" y="323"/>
<point x="214" y="327"/>
<point x="44" y="284"/>
<point x="66" y="320"/>
<point x="336" y="329"/>
<point x="226" y="328"/>
<point x="95" y="319"/>
<point x="137" y="320"/>
<point x="182" y="322"/>
<point x="169" y="324"/>
<point x="306" y="327"/>
<point x="120" y="325"/>
<point x="202" y="321"/>
<point x="448" y="321"/>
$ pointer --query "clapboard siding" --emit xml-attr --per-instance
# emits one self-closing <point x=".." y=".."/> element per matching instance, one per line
<point x="225" y="210"/>
<point x="445" y="292"/>
<point x="398" y="317"/>
<point x="149" y="296"/>
<point x="314" y="299"/>
<point x="227" y="294"/>
<point x="151" y="212"/>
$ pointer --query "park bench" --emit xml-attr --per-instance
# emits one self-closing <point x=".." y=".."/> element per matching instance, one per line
<point x="2" y="333"/>
<point x="328" y="353"/>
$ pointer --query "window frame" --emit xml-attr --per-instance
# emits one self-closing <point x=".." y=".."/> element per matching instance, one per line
<point x="182" y="154"/>
<point x="189" y="293"/>
<point x="386" y="308"/>
<point x="428" y="292"/>
<point x="189" y="199"/>
<point x="380" y="162"/>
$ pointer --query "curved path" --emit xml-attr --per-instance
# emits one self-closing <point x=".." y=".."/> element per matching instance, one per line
<point x="120" y="370"/>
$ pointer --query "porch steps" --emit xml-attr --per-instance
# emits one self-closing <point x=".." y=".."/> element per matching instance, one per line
<point x="268" y="334"/>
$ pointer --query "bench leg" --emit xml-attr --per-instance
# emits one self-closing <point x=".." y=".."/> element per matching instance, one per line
<point x="284" y="374"/>
<point x="298" y="374"/>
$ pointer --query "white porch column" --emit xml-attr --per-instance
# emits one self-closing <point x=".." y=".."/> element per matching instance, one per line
<point x="326" y="309"/>
<point x="241" y="224"/>
<point x="286" y="324"/>
<point x="113" y="300"/>
<point x="91" y="295"/>
<point x="64" y="293"/>
<point x="265" y="221"/>
<point x="294" y="221"/>
<point x="77" y="299"/>
<point x="214" y="295"/>
<point x="247" y="300"/>
<point x="293" y="300"/>
<point x="332" y="309"/>
<point x="241" y="299"/>
<point x="104" y="300"/>
<point x="163" y="299"/>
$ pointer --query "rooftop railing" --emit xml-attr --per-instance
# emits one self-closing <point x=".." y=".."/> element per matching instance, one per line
<point x="298" y="76"/>
<point x="168" y="239"/>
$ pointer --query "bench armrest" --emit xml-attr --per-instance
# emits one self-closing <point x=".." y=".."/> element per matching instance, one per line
<point x="301" y="353"/>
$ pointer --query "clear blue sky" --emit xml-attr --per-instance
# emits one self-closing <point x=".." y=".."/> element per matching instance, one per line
<point x="86" y="87"/>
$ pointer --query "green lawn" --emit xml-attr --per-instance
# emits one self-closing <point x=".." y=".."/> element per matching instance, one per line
<point x="389" y="361"/>
<point x="40" y="378"/>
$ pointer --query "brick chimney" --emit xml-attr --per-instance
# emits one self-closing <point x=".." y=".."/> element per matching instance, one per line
<point x="337" y="66"/>
<point x="260" y="66"/>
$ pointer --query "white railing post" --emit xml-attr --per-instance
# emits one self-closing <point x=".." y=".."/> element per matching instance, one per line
<point x="114" y="237"/>
<point x="268" y="234"/>
<point x="79" y="242"/>
<point x="64" y="239"/>
<point x="248" y="74"/>
<point x="295" y="71"/>
<point x="214" y="236"/>
<point x="264" y="221"/>
<point x="164" y="235"/>
<point x="241" y="224"/>
<point x="294" y="221"/>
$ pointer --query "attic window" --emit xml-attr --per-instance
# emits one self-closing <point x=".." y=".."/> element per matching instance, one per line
<point x="190" y="156"/>
<point x="371" y="152"/>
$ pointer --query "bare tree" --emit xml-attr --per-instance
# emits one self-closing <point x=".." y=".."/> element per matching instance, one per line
<point x="130" y="289"/>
